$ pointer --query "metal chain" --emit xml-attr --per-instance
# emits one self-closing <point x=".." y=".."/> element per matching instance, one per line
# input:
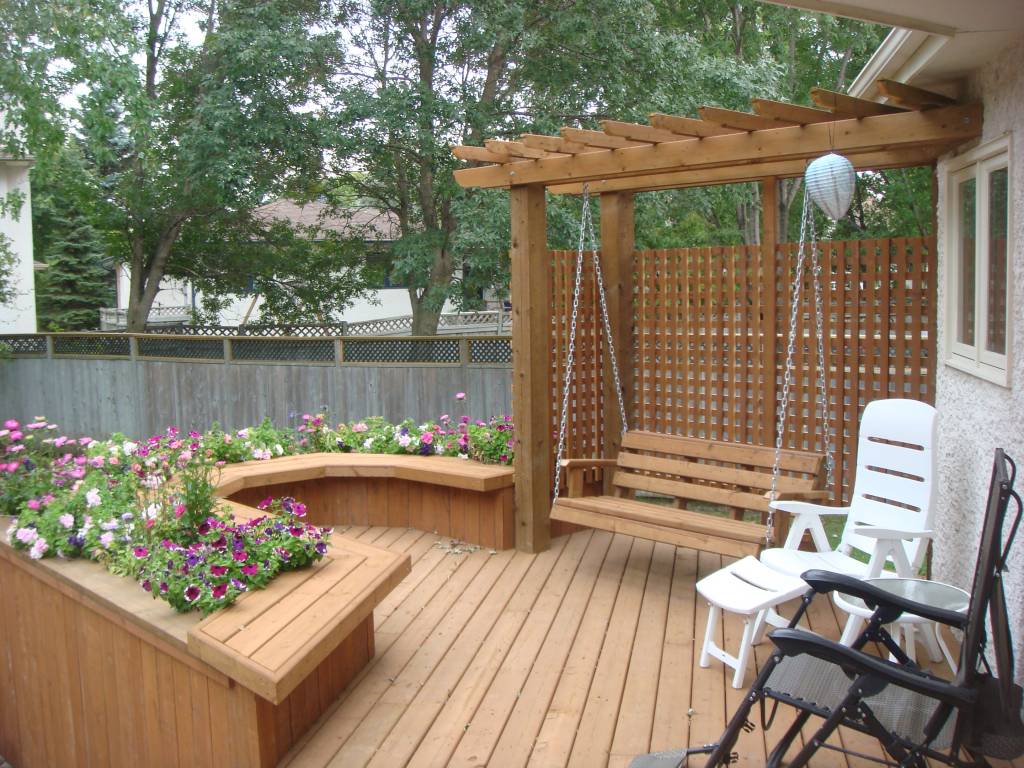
<point x="826" y="426"/>
<point x="571" y="355"/>
<point x="586" y="232"/>
<point x="806" y="224"/>
<point x="787" y="378"/>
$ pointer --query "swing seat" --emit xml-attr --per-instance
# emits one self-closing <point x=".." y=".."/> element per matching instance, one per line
<point x="691" y="472"/>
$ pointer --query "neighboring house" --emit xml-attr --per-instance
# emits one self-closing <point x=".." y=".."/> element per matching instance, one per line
<point x="971" y="49"/>
<point x="177" y="298"/>
<point x="18" y="316"/>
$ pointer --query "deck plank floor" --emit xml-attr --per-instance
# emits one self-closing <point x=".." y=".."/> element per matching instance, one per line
<point x="584" y="655"/>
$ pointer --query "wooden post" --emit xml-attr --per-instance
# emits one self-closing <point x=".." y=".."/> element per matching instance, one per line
<point x="769" y="297"/>
<point x="769" y="324"/>
<point x="531" y="367"/>
<point x="617" y="243"/>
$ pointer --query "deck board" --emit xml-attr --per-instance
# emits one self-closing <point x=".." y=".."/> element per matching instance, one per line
<point x="584" y="655"/>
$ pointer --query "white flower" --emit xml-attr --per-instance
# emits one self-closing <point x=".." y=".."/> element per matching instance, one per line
<point x="151" y="511"/>
<point x="278" y="449"/>
<point x="368" y="443"/>
<point x="404" y="440"/>
<point x="115" y="449"/>
<point x="27" y="535"/>
<point x="464" y="456"/>
<point x="39" y="548"/>
<point x="152" y="481"/>
<point x="261" y="453"/>
<point x="129" y="447"/>
<point x="243" y="433"/>
<point x="66" y="520"/>
<point x="107" y="539"/>
<point x="92" y="497"/>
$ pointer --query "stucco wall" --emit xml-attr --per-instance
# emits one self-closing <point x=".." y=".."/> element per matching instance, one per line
<point x="976" y="416"/>
<point x="19" y="316"/>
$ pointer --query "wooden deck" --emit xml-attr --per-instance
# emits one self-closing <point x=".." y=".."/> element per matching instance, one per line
<point x="584" y="655"/>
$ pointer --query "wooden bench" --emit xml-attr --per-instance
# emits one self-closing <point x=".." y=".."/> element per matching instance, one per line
<point x="466" y="500"/>
<point x="690" y="470"/>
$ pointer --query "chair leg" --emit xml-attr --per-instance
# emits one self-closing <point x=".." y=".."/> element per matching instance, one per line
<point x="930" y="638"/>
<point x="760" y="626"/>
<point x="709" y="635"/>
<point x="851" y="630"/>
<point x="831" y="723"/>
<point x="743" y="659"/>
<point x="779" y="750"/>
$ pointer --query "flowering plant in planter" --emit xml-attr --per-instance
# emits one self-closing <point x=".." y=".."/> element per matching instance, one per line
<point x="147" y="510"/>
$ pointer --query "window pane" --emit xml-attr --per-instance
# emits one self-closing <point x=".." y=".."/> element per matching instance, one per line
<point x="965" y="301"/>
<point x="998" y="209"/>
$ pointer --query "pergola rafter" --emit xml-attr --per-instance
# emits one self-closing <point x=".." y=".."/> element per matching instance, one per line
<point x="775" y="140"/>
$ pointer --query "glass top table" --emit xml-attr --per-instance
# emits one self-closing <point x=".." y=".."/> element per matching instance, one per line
<point x="933" y="593"/>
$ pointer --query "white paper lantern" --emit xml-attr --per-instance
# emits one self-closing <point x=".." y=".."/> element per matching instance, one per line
<point x="830" y="182"/>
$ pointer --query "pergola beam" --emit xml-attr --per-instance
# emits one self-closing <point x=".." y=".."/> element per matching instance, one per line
<point x="598" y="139"/>
<point x="792" y="113"/>
<point x="637" y="132"/>
<point x="518" y="149"/>
<point x="555" y="144"/>
<point x="478" y="154"/>
<point x="878" y="133"/>
<point x="867" y="161"/>
<point x="911" y="97"/>
<point x="688" y="126"/>
<point x="850" y="106"/>
<point x="744" y="121"/>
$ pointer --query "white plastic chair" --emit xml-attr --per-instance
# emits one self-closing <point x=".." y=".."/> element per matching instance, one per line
<point x="891" y="508"/>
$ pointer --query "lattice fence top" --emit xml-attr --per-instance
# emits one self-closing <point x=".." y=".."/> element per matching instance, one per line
<point x="308" y="350"/>
<point x="25" y="345"/>
<point x="397" y="350"/>
<point x="195" y="349"/>
<point x="91" y="345"/>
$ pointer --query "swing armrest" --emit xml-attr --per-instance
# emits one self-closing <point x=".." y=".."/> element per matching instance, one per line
<point x="574" y="469"/>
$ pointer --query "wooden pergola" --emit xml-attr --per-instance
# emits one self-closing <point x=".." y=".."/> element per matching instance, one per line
<point x="722" y="146"/>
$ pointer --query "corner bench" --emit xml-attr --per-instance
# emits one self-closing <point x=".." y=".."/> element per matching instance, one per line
<point x="690" y="470"/>
<point x="463" y="499"/>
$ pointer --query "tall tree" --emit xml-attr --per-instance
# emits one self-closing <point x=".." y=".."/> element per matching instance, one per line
<point x="191" y="113"/>
<point x="78" y="280"/>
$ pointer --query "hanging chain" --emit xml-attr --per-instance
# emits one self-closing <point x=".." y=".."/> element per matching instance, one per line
<point x="806" y="224"/>
<point x="586" y="235"/>
<point x="571" y="355"/>
<point x="787" y="378"/>
<point x="819" y="312"/>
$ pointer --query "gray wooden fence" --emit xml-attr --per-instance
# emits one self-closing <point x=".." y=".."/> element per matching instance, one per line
<point x="101" y="383"/>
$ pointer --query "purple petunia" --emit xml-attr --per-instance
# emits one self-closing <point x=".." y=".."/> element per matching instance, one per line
<point x="218" y="570"/>
<point x="219" y="591"/>
<point x="191" y="593"/>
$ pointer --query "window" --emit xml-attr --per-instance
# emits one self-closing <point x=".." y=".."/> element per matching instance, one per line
<point x="978" y="249"/>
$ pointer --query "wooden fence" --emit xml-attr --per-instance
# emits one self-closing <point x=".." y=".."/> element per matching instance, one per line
<point x="710" y="337"/>
<point x="100" y="383"/>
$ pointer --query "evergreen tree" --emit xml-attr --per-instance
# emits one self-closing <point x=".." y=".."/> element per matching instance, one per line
<point x="76" y="281"/>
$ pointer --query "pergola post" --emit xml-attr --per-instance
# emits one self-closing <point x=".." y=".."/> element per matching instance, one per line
<point x="769" y="303"/>
<point x="617" y="243"/>
<point x="531" y="274"/>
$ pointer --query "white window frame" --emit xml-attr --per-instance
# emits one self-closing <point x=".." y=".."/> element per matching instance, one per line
<point x="977" y="164"/>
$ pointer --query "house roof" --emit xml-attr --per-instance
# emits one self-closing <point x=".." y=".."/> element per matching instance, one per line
<point x="935" y="43"/>
<point x="371" y="224"/>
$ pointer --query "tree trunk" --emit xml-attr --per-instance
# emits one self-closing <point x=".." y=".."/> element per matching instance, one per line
<point x="424" y="319"/>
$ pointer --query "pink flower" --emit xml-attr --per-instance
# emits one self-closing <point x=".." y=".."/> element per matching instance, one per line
<point x="219" y="591"/>
<point x="16" y="435"/>
<point x="140" y="552"/>
<point x="191" y="593"/>
<point x="26" y="535"/>
<point x="106" y="539"/>
<point x="33" y="504"/>
<point x="12" y="424"/>
<point x="265" y="504"/>
<point x="218" y="570"/>
<point x="460" y="395"/>
<point x="251" y="569"/>
<point x="39" y="548"/>
<point x="427" y="438"/>
<point x="179" y="510"/>
<point x="12" y="467"/>
<point x="360" y="427"/>
<point x="66" y="520"/>
<point x="240" y="555"/>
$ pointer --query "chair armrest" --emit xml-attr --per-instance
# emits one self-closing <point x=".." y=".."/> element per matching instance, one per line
<point x="889" y="606"/>
<point x="783" y="495"/>
<point x="805" y="508"/>
<point x="877" y="532"/>
<point x="793" y="642"/>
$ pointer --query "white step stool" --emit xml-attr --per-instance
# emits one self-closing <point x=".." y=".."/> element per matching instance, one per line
<point x="749" y="588"/>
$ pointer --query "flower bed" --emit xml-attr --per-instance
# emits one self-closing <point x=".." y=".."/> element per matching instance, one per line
<point x="147" y="510"/>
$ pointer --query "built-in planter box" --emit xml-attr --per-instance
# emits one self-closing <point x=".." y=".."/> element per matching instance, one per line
<point x="462" y="499"/>
<point x="93" y="671"/>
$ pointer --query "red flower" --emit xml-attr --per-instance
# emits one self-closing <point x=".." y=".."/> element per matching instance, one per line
<point x="219" y="591"/>
<point x="218" y="570"/>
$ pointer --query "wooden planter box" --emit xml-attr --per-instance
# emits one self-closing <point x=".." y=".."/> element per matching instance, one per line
<point x="93" y="671"/>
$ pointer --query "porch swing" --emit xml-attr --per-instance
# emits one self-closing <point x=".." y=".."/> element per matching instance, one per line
<point x="694" y="472"/>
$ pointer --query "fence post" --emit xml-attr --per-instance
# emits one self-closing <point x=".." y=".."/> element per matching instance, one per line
<point x="228" y="352"/>
<point x="49" y="346"/>
<point x="133" y="348"/>
<point x="464" y="353"/>
<point x="339" y="351"/>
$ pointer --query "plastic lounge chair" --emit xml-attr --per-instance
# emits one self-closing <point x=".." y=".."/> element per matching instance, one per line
<point x="891" y="507"/>
<point x="914" y="715"/>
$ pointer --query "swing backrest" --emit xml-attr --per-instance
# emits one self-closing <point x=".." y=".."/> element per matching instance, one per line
<point x="895" y="482"/>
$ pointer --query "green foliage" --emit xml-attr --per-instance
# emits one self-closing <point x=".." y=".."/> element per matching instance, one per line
<point x="78" y="279"/>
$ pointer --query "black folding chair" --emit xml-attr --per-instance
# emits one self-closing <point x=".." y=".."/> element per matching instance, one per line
<point x="914" y="715"/>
